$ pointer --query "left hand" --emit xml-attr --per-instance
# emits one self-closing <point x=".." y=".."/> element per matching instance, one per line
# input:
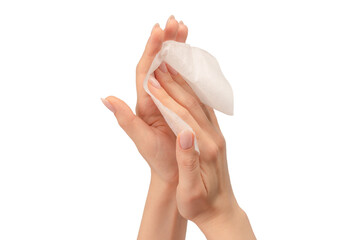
<point x="148" y="129"/>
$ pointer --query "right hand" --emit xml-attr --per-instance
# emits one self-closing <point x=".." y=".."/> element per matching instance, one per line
<point x="204" y="193"/>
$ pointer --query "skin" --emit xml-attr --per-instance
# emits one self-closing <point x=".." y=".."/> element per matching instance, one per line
<point x="156" y="143"/>
<point x="204" y="194"/>
<point x="184" y="184"/>
<point x="148" y="129"/>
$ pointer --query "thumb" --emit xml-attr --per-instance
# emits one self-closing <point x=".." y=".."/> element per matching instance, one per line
<point x="188" y="161"/>
<point x="134" y="126"/>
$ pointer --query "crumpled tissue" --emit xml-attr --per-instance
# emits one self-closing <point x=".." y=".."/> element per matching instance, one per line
<point x="203" y="74"/>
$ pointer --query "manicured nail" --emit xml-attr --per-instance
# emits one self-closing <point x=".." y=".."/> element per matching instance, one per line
<point x="186" y="139"/>
<point x="171" y="70"/>
<point x="108" y="105"/>
<point x="163" y="68"/>
<point x="171" y="17"/>
<point x="154" y="82"/>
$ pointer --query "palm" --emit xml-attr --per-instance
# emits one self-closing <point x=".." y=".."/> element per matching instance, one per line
<point x="161" y="141"/>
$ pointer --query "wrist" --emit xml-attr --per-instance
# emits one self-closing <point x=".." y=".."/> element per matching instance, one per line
<point x="170" y="180"/>
<point x="231" y="223"/>
<point x="167" y="188"/>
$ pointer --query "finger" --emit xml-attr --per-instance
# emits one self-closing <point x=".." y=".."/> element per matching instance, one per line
<point x="182" y="97"/>
<point x="213" y="117"/>
<point x="180" y="80"/>
<point x="134" y="126"/>
<point x="188" y="162"/>
<point x="209" y="111"/>
<point x="159" y="93"/>
<point x="153" y="46"/>
<point x="182" y="32"/>
<point x="171" y="29"/>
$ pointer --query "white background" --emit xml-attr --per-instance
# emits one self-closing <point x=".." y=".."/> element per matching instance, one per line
<point x="68" y="171"/>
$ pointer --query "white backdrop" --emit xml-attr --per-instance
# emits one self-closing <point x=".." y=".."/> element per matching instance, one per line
<point x="67" y="170"/>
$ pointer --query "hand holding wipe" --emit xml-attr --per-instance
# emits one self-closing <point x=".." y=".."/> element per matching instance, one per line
<point x="178" y="88"/>
<point x="202" y="73"/>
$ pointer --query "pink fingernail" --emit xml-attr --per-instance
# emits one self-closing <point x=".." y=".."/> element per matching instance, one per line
<point x="171" y="70"/>
<point x="163" y="68"/>
<point x="186" y="139"/>
<point x="108" y="105"/>
<point x="154" y="82"/>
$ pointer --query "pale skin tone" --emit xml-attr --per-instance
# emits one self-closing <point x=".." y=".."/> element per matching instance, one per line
<point x="185" y="185"/>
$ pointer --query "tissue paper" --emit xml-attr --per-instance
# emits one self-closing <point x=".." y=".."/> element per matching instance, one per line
<point x="203" y="74"/>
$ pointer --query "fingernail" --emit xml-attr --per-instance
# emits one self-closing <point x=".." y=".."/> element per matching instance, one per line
<point x="154" y="82"/>
<point x="163" y="68"/>
<point x="155" y="26"/>
<point x="171" y="17"/>
<point x="171" y="70"/>
<point x="186" y="139"/>
<point x="181" y="22"/>
<point x="108" y="105"/>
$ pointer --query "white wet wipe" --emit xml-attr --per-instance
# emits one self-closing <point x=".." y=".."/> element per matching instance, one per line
<point x="203" y="74"/>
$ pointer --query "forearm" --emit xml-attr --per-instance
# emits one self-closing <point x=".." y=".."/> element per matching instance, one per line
<point x="161" y="218"/>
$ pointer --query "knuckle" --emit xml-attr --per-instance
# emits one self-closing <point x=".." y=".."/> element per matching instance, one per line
<point x="183" y="83"/>
<point x="221" y="143"/>
<point x="183" y="114"/>
<point x="213" y="151"/>
<point x="127" y="122"/>
<point x="203" y="106"/>
<point x="190" y="164"/>
<point x="142" y="107"/>
<point x="191" y="102"/>
<point x="206" y="111"/>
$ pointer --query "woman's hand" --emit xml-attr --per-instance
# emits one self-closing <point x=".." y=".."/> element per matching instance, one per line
<point x="156" y="143"/>
<point x="204" y="194"/>
<point x="148" y="129"/>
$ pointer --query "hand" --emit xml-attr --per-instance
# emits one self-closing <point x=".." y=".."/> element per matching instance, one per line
<point x="204" y="194"/>
<point x="148" y="129"/>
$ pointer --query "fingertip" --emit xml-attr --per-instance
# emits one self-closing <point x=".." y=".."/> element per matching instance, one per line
<point x="156" y="30"/>
<point x="171" y="70"/>
<point x="108" y="104"/>
<point x="161" y="75"/>
<point x="155" y="41"/>
<point x="112" y="99"/>
<point x="182" y="32"/>
<point x="171" y="29"/>
<point x="170" y="18"/>
<point x="154" y="83"/>
<point x="182" y="24"/>
<point x="118" y="105"/>
<point x="157" y="25"/>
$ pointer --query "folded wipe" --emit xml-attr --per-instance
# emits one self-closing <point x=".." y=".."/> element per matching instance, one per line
<point x="203" y="74"/>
